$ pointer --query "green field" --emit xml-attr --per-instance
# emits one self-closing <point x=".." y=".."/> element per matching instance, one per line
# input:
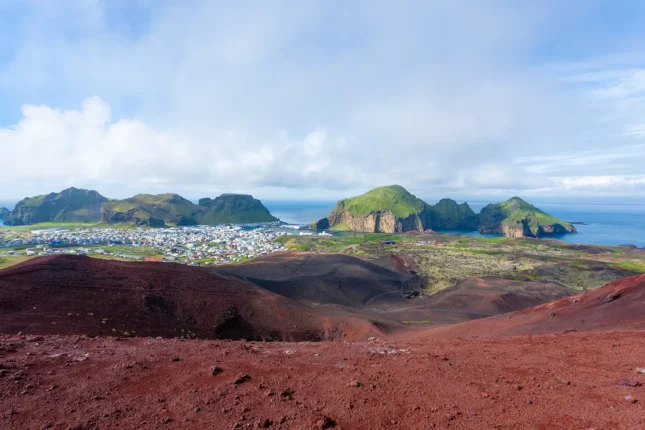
<point x="443" y="260"/>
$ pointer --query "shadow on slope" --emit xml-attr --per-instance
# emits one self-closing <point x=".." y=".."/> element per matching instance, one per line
<point x="326" y="278"/>
<point x="82" y="295"/>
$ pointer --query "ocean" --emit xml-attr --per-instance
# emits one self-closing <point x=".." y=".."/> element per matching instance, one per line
<point x="604" y="224"/>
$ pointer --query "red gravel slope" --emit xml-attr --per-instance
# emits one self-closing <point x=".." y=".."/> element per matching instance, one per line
<point x="81" y="295"/>
<point x="619" y="305"/>
<point x="571" y="381"/>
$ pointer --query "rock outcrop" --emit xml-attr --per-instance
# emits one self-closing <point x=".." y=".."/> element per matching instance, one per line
<point x="517" y="218"/>
<point x="393" y="209"/>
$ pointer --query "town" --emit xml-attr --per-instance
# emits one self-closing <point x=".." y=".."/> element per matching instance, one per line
<point x="195" y="245"/>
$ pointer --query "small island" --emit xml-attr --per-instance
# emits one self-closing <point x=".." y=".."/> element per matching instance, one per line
<point x="392" y="209"/>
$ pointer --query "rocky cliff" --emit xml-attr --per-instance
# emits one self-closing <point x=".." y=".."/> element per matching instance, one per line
<point x="393" y="209"/>
<point x="70" y="205"/>
<point x="517" y="218"/>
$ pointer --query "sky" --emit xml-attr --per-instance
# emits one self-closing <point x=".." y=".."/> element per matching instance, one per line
<point x="311" y="100"/>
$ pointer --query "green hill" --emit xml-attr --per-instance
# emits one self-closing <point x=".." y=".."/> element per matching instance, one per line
<point x="393" y="209"/>
<point x="393" y="198"/>
<point x="174" y="210"/>
<point x="151" y="210"/>
<point x="70" y="205"/>
<point x="448" y="214"/>
<point x="77" y="205"/>
<point x="233" y="209"/>
<point x="518" y="218"/>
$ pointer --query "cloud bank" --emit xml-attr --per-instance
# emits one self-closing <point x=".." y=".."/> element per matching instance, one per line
<point x="319" y="99"/>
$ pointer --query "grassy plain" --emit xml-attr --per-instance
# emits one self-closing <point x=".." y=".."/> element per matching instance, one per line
<point x="443" y="260"/>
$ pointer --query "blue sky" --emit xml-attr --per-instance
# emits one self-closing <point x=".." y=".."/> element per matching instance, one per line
<point x="321" y="99"/>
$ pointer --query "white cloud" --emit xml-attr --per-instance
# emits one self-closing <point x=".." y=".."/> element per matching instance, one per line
<point x="204" y="97"/>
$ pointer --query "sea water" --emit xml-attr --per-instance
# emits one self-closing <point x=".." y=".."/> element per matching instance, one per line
<point x="604" y="224"/>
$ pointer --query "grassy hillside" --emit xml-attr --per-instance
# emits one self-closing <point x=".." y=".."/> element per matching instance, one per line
<point x="70" y="205"/>
<point x="233" y="209"/>
<point x="447" y="214"/>
<point x="516" y="207"/>
<point x="393" y="198"/>
<point x="516" y="213"/>
<point x="148" y="209"/>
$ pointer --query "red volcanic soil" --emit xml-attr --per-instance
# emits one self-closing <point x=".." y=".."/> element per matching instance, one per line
<point x="440" y="378"/>
<point x="619" y="305"/>
<point x="492" y="295"/>
<point x="564" y="381"/>
<point x="81" y="295"/>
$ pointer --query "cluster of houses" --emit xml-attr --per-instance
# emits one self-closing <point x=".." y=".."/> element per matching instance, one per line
<point x="193" y="245"/>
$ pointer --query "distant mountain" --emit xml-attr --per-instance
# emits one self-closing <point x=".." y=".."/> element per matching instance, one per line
<point x="77" y="205"/>
<point x="447" y="214"/>
<point x="4" y="212"/>
<point x="151" y="210"/>
<point x="233" y="209"/>
<point x="517" y="218"/>
<point x="393" y="209"/>
<point x="70" y="205"/>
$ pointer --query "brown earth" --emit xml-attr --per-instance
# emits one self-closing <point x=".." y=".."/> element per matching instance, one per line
<point x="488" y="373"/>
<point x="326" y="278"/>
<point x="564" y="381"/>
<point x="82" y="295"/>
<point x="388" y="286"/>
<point x="619" y="305"/>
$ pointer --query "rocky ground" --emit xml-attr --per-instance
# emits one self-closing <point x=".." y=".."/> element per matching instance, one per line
<point x="573" y="380"/>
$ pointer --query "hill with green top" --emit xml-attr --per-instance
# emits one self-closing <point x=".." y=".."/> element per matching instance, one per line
<point x="87" y="206"/>
<point x="393" y="209"/>
<point x="393" y="198"/>
<point x="233" y="209"/>
<point x="174" y="210"/>
<point x="518" y="218"/>
<point x="70" y="205"/>
<point x="151" y="210"/>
